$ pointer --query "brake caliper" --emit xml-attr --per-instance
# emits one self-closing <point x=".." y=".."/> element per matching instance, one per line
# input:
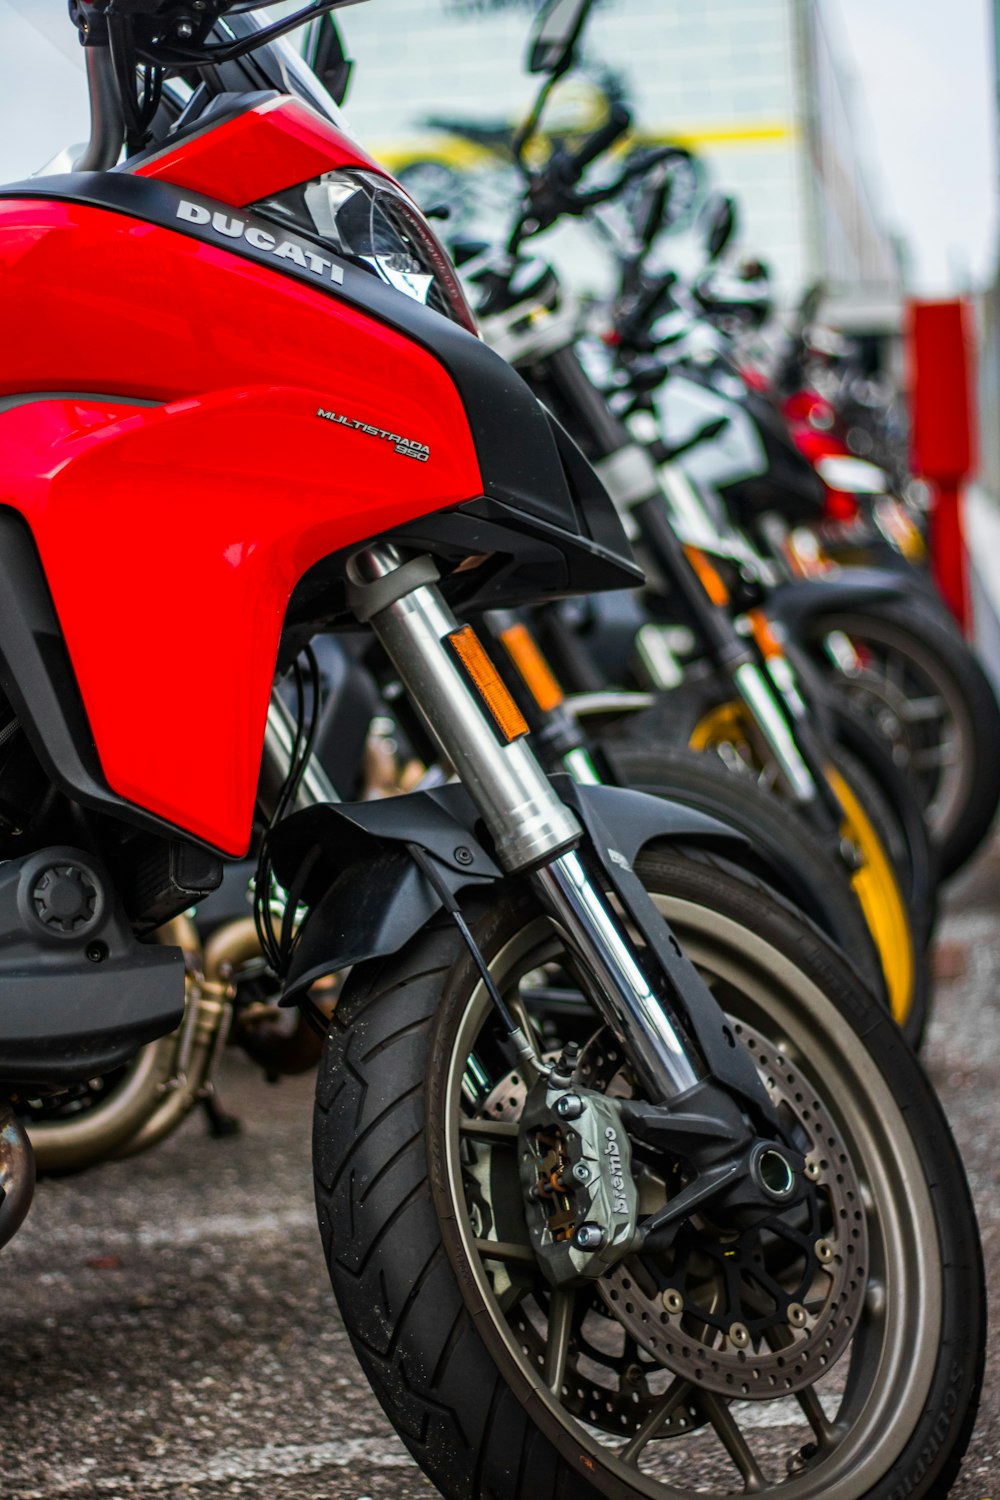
<point x="576" y="1173"/>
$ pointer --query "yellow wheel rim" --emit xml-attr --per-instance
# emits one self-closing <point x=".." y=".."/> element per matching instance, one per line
<point x="878" y="893"/>
<point x="874" y="881"/>
<point x="725" y="724"/>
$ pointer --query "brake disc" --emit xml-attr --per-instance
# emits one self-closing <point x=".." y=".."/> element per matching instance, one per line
<point x="761" y="1313"/>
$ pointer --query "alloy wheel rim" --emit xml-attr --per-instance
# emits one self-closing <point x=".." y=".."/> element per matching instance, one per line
<point x="889" y="1373"/>
<point x="878" y="691"/>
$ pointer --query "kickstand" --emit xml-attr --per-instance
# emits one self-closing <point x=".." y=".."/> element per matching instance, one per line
<point x="220" y="1122"/>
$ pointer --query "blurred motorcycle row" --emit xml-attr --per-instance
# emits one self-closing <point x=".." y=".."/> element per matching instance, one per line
<point x="817" y="741"/>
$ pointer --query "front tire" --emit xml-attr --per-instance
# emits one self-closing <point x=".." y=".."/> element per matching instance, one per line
<point x="920" y="685"/>
<point x="488" y="1399"/>
<point x="795" y="859"/>
<point x="887" y="883"/>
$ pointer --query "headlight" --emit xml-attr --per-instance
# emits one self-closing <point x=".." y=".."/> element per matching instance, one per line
<point x="367" y="219"/>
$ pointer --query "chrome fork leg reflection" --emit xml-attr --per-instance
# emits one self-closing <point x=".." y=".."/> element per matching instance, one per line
<point x="526" y="819"/>
<point x="637" y="1016"/>
<point x="532" y="829"/>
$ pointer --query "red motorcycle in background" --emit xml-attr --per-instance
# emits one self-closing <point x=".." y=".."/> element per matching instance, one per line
<point x="901" y="660"/>
<point x="609" y="1145"/>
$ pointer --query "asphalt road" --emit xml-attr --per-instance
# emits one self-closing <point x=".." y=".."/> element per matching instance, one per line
<point x="168" y="1331"/>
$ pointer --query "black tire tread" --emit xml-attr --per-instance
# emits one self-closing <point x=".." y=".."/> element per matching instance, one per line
<point x="823" y="891"/>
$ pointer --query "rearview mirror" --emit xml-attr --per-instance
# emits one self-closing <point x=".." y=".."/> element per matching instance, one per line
<point x="719" y="220"/>
<point x="555" y="34"/>
<point x="324" y="52"/>
<point x="650" y="201"/>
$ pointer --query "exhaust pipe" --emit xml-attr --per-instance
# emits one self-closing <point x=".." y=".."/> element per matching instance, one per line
<point x="17" y="1173"/>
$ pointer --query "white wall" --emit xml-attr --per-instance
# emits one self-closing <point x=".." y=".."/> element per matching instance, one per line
<point x="718" y="75"/>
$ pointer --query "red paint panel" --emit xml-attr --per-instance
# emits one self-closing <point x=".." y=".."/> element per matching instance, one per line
<point x="942" y="394"/>
<point x="949" y="556"/>
<point x="171" y="536"/>
<point x="941" y="354"/>
<point x="274" y="146"/>
<point x="812" y="424"/>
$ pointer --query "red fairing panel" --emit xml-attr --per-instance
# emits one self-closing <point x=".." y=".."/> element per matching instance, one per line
<point x="273" y="146"/>
<point x="817" y="440"/>
<point x="172" y="535"/>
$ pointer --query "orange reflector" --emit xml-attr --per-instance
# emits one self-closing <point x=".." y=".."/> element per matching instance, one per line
<point x="529" y="661"/>
<point x="510" y="720"/>
<point x="709" y="579"/>
<point x="767" y="642"/>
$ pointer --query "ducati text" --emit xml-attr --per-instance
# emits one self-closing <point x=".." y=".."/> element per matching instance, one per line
<point x="232" y="227"/>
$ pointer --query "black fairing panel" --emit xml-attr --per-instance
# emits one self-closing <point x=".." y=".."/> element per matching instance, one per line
<point x="529" y="467"/>
<point x="790" y="485"/>
<point x="534" y="559"/>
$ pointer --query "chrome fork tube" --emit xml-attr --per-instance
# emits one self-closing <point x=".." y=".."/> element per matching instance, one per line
<point x="758" y="694"/>
<point x="639" y="1019"/>
<point x="526" y="819"/>
<point x="533" y="831"/>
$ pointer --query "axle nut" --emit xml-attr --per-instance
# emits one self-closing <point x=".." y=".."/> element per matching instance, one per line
<point x="774" y="1173"/>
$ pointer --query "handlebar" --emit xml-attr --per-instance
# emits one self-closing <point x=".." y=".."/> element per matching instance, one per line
<point x="573" y="165"/>
<point x="552" y="191"/>
<point x="162" y="35"/>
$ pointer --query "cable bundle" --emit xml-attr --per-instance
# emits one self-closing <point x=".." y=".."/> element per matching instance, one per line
<point x="279" y="947"/>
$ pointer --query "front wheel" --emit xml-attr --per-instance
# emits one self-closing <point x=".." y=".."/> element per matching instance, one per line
<point x="880" y="838"/>
<point x="684" y="1371"/>
<point x="920" y="685"/>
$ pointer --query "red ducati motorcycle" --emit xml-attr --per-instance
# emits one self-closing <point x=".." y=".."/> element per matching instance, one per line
<point x="611" y="1148"/>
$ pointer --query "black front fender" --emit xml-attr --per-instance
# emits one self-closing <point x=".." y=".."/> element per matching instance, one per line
<point x="799" y="603"/>
<point x="349" y="864"/>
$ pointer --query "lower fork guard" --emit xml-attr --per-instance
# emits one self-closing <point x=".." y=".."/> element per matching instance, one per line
<point x="368" y="897"/>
